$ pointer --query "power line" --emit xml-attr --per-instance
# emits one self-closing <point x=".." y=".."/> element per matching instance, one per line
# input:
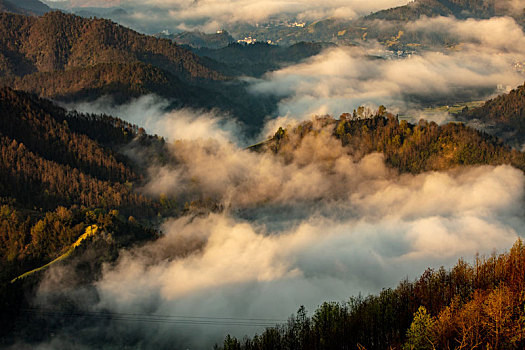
<point x="166" y="319"/>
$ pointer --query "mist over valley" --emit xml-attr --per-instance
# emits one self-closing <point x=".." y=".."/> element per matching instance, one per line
<point x="262" y="175"/>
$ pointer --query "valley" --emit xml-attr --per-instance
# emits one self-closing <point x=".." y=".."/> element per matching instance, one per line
<point x="232" y="175"/>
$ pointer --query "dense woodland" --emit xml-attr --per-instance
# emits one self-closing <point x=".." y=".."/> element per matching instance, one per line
<point x="259" y="58"/>
<point x="70" y="58"/>
<point x="73" y="169"/>
<point x="503" y="116"/>
<point x="407" y="147"/>
<point x="471" y="306"/>
<point x="433" y="8"/>
<point x="59" y="173"/>
<point x="24" y="7"/>
<point x="57" y="41"/>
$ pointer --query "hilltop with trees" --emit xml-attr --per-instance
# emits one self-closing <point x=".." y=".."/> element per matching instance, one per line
<point x="412" y="148"/>
<point x="479" y="305"/>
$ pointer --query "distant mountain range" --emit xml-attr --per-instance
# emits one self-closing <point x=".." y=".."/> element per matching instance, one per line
<point x="197" y="39"/>
<point x="458" y="8"/>
<point x="337" y="30"/>
<point x="259" y="58"/>
<point x="24" y="7"/>
<point x="70" y="58"/>
<point x="354" y="31"/>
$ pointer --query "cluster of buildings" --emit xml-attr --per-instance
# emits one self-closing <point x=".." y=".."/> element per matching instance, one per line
<point x="247" y="40"/>
<point x="390" y="54"/>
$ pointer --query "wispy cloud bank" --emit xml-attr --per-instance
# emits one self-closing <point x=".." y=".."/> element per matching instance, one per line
<point x="341" y="79"/>
<point x="317" y="226"/>
<point x="210" y="15"/>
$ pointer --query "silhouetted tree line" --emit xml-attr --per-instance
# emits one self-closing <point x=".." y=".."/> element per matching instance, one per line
<point x="471" y="306"/>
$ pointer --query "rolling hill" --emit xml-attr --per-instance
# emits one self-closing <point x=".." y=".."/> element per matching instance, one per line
<point x="70" y="58"/>
<point x="503" y="116"/>
<point x="24" y="7"/>
<point x="461" y="9"/>
<point x="406" y="147"/>
<point x="259" y="58"/>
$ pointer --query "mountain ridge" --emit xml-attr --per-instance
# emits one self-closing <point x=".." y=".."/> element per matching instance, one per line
<point x="70" y="58"/>
<point x="24" y="7"/>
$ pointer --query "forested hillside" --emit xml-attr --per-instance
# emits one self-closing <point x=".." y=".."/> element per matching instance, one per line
<point x="470" y="306"/>
<point x="457" y="8"/>
<point x="259" y="58"/>
<point x="407" y="147"/>
<point x="58" y="41"/>
<point x="55" y="169"/>
<point x="24" y="7"/>
<point x="503" y="116"/>
<point x="70" y="58"/>
<point x="73" y="169"/>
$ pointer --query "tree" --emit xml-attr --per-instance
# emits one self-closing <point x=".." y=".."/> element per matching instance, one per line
<point x="419" y="335"/>
<point x="498" y="323"/>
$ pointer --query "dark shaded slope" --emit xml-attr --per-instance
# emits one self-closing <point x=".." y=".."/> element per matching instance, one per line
<point x="198" y="39"/>
<point x="24" y="7"/>
<point x="6" y="6"/>
<point x="503" y="116"/>
<point x="259" y="58"/>
<point x="457" y="8"/>
<point x="34" y="7"/>
<point x="69" y="58"/>
<point x="45" y="163"/>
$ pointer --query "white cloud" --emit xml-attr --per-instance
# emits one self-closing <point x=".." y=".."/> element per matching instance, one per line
<point x="213" y="14"/>
<point x="319" y="226"/>
<point x="340" y="79"/>
<point x="311" y="226"/>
